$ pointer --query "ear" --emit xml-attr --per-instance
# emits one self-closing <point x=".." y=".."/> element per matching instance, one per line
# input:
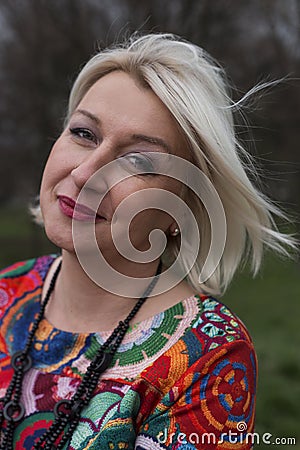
<point x="174" y="229"/>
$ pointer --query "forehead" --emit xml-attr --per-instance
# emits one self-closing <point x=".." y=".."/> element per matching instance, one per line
<point x="122" y="105"/>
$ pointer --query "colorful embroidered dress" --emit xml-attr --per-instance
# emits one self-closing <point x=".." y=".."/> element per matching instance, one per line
<point x="183" y="379"/>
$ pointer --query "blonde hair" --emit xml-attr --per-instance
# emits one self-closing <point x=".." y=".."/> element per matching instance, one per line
<point x="194" y="89"/>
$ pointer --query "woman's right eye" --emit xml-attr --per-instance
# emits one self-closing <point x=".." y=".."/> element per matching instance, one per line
<point x="83" y="133"/>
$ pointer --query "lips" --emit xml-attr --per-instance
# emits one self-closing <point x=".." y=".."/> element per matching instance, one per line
<point x="76" y="211"/>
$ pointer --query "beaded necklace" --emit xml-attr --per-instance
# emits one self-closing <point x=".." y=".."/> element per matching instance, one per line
<point x="66" y="412"/>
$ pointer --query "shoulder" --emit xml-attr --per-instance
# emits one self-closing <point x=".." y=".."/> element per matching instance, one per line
<point x="216" y="325"/>
<point x="218" y="343"/>
<point x="22" y="277"/>
<point x="205" y="384"/>
<point x="206" y="381"/>
<point x="214" y="334"/>
<point x="22" y="267"/>
<point x="225" y="356"/>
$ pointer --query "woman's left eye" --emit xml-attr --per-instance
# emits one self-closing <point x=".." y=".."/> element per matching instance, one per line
<point x="140" y="163"/>
<point x="84" y="133"/>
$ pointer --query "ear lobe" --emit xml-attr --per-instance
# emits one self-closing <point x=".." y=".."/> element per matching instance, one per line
<point x="174" y="231"/>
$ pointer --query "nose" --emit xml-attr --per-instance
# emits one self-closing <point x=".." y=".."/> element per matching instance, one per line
<point x="90" y="171"/>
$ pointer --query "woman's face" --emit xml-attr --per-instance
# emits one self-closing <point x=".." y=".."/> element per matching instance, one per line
<point x="117" y="118"/>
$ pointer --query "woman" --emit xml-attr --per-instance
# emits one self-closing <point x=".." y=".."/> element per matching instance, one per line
<point x="124" y="353"/>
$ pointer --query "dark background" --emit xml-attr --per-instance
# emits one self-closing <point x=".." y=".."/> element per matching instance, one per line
<point x="43" y="44"/>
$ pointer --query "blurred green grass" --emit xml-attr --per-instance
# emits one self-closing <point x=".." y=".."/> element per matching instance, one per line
<point x="269" y="305"/>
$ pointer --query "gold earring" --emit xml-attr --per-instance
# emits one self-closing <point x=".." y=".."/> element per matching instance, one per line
<point x="175" y="232"/>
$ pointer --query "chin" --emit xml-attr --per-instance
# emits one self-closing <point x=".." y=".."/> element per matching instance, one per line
<point x="59" y="235"/>
<point x="61" y="242"/>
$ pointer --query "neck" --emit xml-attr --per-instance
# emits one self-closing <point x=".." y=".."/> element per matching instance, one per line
<point x="80" y="305"/>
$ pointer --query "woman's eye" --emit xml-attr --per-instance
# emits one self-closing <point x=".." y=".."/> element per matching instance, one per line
<point x="140" y="163"/>
<point x="84" y="133"/>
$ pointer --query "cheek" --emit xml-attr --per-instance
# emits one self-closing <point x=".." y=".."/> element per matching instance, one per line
<point x="55" y="169"/>
<point x="151" y="219"/>
<point x="145" y="222"/>
<point x="133" y="203"/>
<point x="47" y="174"/>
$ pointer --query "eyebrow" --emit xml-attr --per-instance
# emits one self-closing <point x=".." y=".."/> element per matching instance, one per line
<point x="152" y="140"/>
<point x="136" y="137"/>
<point x="88" y="114"/>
